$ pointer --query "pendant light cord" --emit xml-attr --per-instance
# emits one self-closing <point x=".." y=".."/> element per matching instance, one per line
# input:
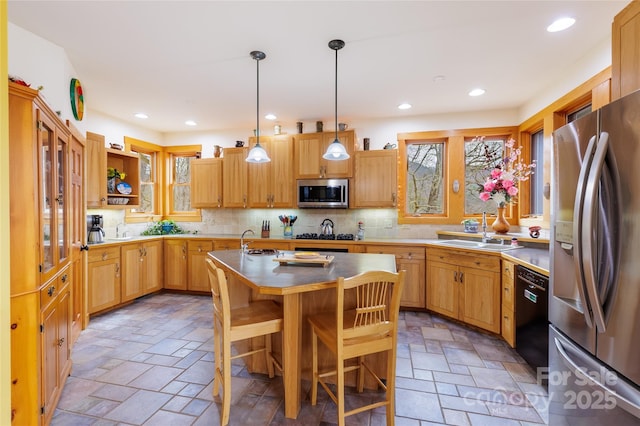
<point x="258" y="102"/>
<point x="336" y="96"/>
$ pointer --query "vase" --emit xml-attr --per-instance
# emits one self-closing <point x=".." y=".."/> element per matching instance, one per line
<point x="500" y="225"/>
<point x="111" y="185"/>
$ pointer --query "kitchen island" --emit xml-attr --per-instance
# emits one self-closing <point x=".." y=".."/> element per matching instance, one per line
<point x="304" y="290"/>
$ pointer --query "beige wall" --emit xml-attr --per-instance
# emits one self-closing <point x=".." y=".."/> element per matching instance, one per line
<point x="5" y="339"/>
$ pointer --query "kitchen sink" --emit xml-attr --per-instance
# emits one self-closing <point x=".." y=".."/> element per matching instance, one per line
<point x="118" y="238"/>
<point x="479" y="245"/>
<point x="262" y="251"/>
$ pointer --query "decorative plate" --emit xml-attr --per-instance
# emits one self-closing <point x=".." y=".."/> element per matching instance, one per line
<point x="77" y="99"/>
<point x="124" y="188"/>
<point x="306" y="255"/>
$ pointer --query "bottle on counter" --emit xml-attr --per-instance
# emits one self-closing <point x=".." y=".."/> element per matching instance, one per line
<point x="360" y="235"/>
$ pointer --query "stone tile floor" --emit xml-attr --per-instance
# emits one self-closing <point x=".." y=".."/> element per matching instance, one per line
<point x="151" y="363"/>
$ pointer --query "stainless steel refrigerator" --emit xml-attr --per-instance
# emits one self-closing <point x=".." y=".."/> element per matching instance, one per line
<point x="594" y="302"/>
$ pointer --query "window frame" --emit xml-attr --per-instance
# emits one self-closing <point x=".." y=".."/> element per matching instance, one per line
<point x="171" y="153"/>
<point x="454" y="169"/>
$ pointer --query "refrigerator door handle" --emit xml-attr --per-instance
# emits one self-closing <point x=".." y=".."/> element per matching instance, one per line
<point x="594" y="373"/>
<point x="588" y="228"/>
<point x="577" y="230"/>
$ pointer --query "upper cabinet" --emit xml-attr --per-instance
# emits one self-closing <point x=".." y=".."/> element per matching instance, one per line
<point x="376" y="182"/>
<point x="206" y="183"/>
<point x="625" y="50"/>
<point x="272" y="184"/>
<point x="119" y="193"/>
<point x="309" y="148"/>
<point x="234" y="178"/>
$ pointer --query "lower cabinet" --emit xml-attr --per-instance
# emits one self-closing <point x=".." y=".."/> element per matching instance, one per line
<point x="141" y="269"/>
<point x="55" y="332"/>
<point x="412" y="260"/>
<point x="465" y="287"/>
<point x="103" y="270"/>
<point x="508" y="303"/>
<point x="198" y="276"/>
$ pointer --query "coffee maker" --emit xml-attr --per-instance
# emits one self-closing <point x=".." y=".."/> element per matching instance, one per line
<point x="95" y="233"/>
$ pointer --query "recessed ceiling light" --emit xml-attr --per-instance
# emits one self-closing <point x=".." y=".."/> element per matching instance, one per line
<point x="190" y="123"/>
<point x="561" y="24"/>
<point x="404" y="106"/>
<point x="438" y="78"/>
<point x="140" y="115"/>
<point x="270" y="116"/>
<point x="476" y="92"/>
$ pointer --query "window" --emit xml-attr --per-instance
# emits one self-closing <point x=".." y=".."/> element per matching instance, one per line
<point x="425" y="177"/>
<point x="573" y="116"/>
<point x="150" y="181"/>
<point x="536" y="186"/>
<point x="442" y="172"/>
<point x="179" y="160"/>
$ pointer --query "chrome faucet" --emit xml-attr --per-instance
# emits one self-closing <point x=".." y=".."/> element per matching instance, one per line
<point x="244" y="246"/>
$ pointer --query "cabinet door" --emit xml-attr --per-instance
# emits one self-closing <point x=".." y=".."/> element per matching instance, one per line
<point x="413" y="293"/>
<point x="198" y="279"/>
<point x="625" y="64"/>
<point x="234" y="178"/>
<point x="508" y="311"/>
<point x="206" y="183"/>
<point x="342" y="168"/>
<point x="443" y="288"/>
<point x="78" y="232"/>
<point x="175" y="264"/>
<point x="96" y="171"/>
<point x="308" y="156"/>
<point x="375" y="178"/>
<point x="132" y="259"/>
<point x="259" y="178"/>
<point x="480" y="300"/>
<point x="103" y="285"/>
<point x="152" y="266"/>
<point x="282" y="175"/>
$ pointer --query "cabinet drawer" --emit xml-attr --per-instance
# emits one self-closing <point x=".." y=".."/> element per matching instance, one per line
<point x="200" y="246"/>
<point x="508" y="269"/>
<point x="49" y="292"/>
<point x="401" y="252"/>
<point x="507" y="292"/>
<point x="98" y="254"/>
<point x="488" y="263"/>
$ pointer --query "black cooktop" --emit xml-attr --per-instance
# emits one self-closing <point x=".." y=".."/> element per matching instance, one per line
<point x="314" y="236"/>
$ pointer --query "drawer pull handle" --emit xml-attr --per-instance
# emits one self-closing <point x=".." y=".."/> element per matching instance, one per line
<point x="64" y="278"/>
<point x="61" y="341"/>
<point x="51" y="290"/>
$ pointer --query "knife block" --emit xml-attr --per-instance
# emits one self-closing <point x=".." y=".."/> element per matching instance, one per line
<point x="265" y="233"/>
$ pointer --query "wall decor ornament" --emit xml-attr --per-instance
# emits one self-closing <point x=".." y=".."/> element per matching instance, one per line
<point x="77" y="99"/>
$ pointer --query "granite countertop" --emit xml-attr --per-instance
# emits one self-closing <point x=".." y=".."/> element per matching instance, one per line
<point x="534" y="254"/>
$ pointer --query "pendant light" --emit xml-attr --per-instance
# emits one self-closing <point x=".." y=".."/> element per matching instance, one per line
<point x="336" y="151"/>
<point x="257" y="154"/>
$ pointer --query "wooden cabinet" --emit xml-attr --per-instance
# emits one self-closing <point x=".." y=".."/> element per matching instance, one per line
<point x="141" y="269"/>
<point x="41" y="220"/>
<point x="55" y="302"/>
<point x="272" y="184"/>
<point x="99" y="159"/>
<point x="230" y="244"/>
<point x="309" y="148"/>
<point x="508" y="303"/>
<point x="464" y="286"/>
<point x="412" y="260"/>
<point x="175" y="264"/>
<point x="375" y="183"/>
<point x="625" y="50"/>
<point x="103" y="289"/>
<point x="234" y="178"/>
<point x="206" y="183"/>
<point x="198" y="277"/>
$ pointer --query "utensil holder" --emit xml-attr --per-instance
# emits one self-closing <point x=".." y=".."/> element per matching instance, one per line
<point x="288" y="231"/>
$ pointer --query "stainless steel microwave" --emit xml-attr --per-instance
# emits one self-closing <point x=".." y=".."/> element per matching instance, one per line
<point x="323" y="193"/>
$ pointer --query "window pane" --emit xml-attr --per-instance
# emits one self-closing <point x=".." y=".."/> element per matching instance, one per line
<point x="146" y="199"/>
<point x="182" y="169"/>
<point x="425" y="178"/>
<point x="181" y="198"/>
<point x="579" y="113"/>
<point x="537" y="184"/>
<point x="146" y="165"/>
<point x="480" y="157"/>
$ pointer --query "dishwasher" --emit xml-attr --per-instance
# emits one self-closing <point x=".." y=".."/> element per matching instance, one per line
<point x="532" y="319"/>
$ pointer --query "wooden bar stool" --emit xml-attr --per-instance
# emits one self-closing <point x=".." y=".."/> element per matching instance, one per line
<point x="259" y="318"/>
<point x="370" y="328"/>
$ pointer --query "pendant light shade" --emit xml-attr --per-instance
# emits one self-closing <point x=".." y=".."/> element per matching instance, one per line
<point x="257" y="154"/>
<point x="336" y="151"/>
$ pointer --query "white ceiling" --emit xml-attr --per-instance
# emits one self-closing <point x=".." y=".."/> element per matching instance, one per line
<point x="179" y="60"/>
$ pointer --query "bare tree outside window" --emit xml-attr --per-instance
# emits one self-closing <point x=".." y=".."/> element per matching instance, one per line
<point x="181" y="190"/>
<point x="480" y="157"/>
<point x="147" y="164"/>
<point x="425" y="178"/>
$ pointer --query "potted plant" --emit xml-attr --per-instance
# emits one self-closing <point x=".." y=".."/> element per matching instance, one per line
<point x="470" y="226"/>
